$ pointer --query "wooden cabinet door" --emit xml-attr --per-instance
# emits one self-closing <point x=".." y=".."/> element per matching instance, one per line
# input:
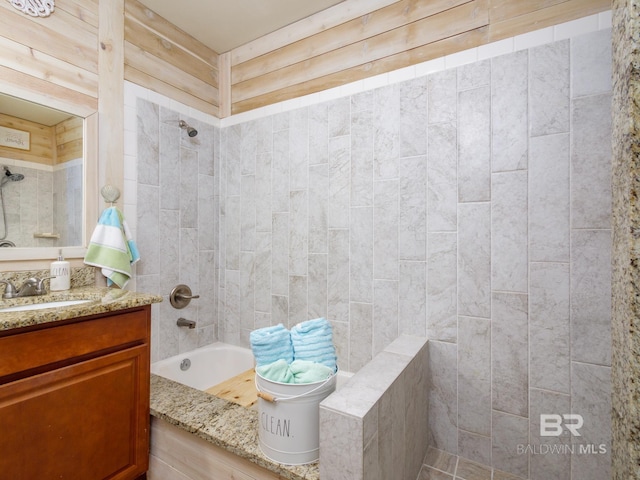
<point x="84" y="421"/>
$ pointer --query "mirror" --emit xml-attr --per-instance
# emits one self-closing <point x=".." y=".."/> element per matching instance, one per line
<point x="43" y="180"/>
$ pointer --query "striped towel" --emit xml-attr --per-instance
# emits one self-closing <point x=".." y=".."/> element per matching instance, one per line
<point x="112" y="248"/>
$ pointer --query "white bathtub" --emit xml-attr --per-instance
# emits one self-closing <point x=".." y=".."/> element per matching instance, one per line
<point x="213" y="364"/>
<point x="210" y="365"/>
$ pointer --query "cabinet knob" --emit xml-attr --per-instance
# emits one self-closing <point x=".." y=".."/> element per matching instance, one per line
<point x="180" y="296"/>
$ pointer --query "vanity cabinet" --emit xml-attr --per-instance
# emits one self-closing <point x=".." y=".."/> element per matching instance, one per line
<point x="74" y="398"/>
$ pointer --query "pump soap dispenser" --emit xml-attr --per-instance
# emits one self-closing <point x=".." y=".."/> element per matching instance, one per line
<point x="60" y="274"/>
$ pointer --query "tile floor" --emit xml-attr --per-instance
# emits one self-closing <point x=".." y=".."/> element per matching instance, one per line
<point x="441" y="465"/>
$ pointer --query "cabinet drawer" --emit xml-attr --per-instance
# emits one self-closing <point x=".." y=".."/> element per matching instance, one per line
<point x="36" y="350"/>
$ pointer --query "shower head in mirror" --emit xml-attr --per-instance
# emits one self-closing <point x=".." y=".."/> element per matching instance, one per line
<point x="10" y="177"/>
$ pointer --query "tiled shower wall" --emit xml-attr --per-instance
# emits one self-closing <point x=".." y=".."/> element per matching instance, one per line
<point x="47" y="200"/>
<point x="472" y="206"/>
<point x="176" y="224"/>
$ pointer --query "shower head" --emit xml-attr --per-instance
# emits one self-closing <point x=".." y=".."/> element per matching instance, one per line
<point x="192" y="132"/>
<point x="8" y="176"/>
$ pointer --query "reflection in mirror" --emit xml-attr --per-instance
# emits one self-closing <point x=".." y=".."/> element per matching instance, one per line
<point x="41" y="175"/>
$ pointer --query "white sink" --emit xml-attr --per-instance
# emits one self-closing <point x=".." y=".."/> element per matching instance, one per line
<point x="40" y="306"/>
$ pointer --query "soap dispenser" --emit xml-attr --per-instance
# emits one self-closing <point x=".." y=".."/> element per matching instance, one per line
<point x="60" y="273"/>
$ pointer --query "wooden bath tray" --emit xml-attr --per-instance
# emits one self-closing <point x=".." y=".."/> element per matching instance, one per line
<point x="240" y="389"/>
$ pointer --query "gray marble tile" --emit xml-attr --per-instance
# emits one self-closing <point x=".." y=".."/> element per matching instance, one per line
<point x="474" y="375"/>
<point x="545" y="462"/>
<point x="339" y="182"/>
<point x="233" y="161"/>
<point x="549" y="88"/>
<point x="231" y="321"/>
<point x="279" y="310"/>
<point x="362" y="144"/>
<point x="338" y="275"/>
<point x="189" y="257"/>
<point x="263" y="192"/>
<point x="591" y="296"/>
<point x="168" y="263"/>
<point x="148" y="229"/>
<point x="298" y="306"/>
<point x="509" y="111"/>
<point x="391" y="432"/>
<point x="474" y="259"/>
<point x="168" y="150"/>
<point x="413" y="117"/>
<point x="298" y="232"/>
<point x="473" y="75"/>
<point x="509" y="253"/>
<point x="280" y="171"/>
<point x="549" y="326"/>
<point x="442" y="183"/>
<point x="385" y="313"/>
<point x="280" y="254"/>
<point x="412" y="299"/>
<point x="318" y="134"/>
<point x="247" y="290"/>
<point x="474" y="447"/>
<point x="443" y="96"/>
<point x="148" y="139"/>
<point x="374" y="459"/>
<point x="206" y="212"/>
<point x="509" y="431"/>
<point x="339" y="117"/>
<point x="385" y="230"/>
<point x="341" y="440"/>
<point x="442" y="287"/>
<point x="549" y="198"/>
<point x="360" y="335"/>
<point x="264" y="135"/>
<point x="248" y="213"/>
<point x="361" y="255"/>
<point x="591" y="398"/>
<point x="248" y="147"/>
<point x="299" y="150"/>
<point x="232" y="232"/>
<point x="188" y="189"/>
<point x="387" y="132"/>
<point x="509" y="353"/>
<point x="591" y="162"/>
<point x="318" y="206"/>
<point x="263" y="272"/>
<point x="474" y="145"/>
<point x="591" y="63"/>
<point x="412" y="206"/>
<point x="317" y="282"/>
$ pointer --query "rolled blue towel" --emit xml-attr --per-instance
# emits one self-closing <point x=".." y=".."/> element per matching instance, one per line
<point x="269" y="344"/>
<point x="313" y="341"/>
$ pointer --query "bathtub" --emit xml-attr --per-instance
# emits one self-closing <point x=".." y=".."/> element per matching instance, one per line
<point x="187" y="423"/>
<point x="209" y="365"/>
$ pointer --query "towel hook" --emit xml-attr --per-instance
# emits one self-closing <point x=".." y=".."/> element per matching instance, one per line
<point x="110" y="194"/>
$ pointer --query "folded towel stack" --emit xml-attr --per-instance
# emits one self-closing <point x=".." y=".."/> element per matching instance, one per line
<point x="313" y="340"/>
<point x="270" y="344"/>
<point x="299" y="371"/>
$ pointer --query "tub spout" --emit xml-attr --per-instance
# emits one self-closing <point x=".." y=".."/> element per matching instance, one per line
<point x="183" y="322"/>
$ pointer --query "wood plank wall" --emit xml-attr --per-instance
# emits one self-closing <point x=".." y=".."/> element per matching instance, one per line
<point x="53" y="59"/>
<point x="343" y="44"/>
<point x="163" y="58"/>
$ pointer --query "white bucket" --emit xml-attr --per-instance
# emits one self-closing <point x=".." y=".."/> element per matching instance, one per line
<point x="288" y="419"/>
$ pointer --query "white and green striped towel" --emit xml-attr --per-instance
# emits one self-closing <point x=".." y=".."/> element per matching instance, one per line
<point x="112" y="248"/>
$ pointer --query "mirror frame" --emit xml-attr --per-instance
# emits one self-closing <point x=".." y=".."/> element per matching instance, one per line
<point x="17" y="258"/>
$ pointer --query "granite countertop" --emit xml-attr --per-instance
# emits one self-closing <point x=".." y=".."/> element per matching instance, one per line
<point x="222" y="423"/>
<point x="102" y="300"/>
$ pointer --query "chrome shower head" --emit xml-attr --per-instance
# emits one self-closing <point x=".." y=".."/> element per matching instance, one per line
<point x="8" y="176"/>
<point x="192" y="132"/>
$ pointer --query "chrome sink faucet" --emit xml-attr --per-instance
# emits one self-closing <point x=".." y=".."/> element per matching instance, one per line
<point x="30" y="287"/>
